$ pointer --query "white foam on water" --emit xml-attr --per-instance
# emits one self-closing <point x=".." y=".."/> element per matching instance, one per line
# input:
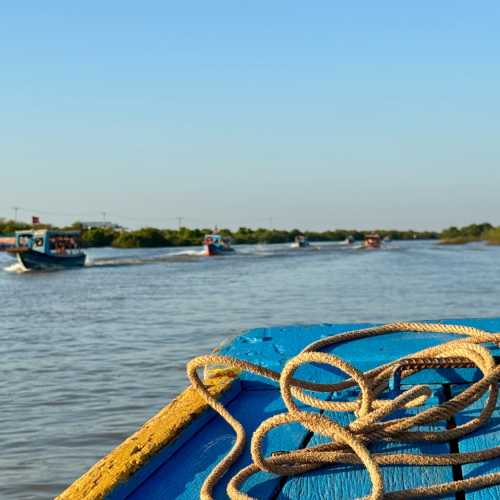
<point x="17" y="267"/>
<point x="259" y="250"/>
<point x="187" y="252"/>
<point x="115" y="262"/>
<point x="151" y="259"/>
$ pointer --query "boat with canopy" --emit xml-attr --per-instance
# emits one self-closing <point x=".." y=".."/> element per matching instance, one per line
<point x="215" y="244"/>
<point x="46" y="249"/>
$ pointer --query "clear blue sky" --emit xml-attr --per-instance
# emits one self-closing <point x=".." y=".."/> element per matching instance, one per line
<point x="318" y="114"/>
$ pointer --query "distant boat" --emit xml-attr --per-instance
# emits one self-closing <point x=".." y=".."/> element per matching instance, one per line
<point x="47" y="249"/>
<point x="349" y="240"/>
<point x="7" y="242"/>
<point x="372" y="241"/>
<point x="215" y="244"/>
<point x="387" y="239"/>
<point x="300" y="242"/>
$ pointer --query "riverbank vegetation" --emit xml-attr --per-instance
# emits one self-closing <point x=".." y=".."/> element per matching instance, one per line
<point x="466" y="234"/>
<point x="153" y="237"/>
<point x="8" y="227"/>
<point x="492" y="236"/>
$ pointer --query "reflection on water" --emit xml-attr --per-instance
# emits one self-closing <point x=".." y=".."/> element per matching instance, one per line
<point x="88" y="355"/>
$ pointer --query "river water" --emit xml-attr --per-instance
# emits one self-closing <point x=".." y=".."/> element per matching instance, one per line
<point x="88" y="355"/>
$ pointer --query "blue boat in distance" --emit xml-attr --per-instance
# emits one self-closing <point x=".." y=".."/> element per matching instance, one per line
<point x="215" y="244"/>
<point x="47" y="249"/>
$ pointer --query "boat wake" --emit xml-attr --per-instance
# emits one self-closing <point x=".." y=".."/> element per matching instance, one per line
<point x="185" y="255"/>
<point x="17" y="267"/>
<point x="198" y="255"/>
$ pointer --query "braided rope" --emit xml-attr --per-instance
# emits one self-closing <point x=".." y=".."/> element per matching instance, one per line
<point x="349" y="444"/>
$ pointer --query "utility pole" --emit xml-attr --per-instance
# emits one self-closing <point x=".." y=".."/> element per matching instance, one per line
<point x="103" y="216"/>
<point x="179" y="221"/>
<point x="15" y="212"/>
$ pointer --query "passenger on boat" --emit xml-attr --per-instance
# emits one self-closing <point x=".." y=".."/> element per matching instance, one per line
<point x="61" y="247"/>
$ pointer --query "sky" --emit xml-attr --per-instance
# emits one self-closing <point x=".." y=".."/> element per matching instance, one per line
<point x="314" y="115"/>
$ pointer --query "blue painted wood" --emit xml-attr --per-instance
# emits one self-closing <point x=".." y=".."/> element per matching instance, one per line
<point x="484" y="438"/>
<point x="183" y="474"/>
<point x="349" y="482"/>
<point x="122" y="490"/>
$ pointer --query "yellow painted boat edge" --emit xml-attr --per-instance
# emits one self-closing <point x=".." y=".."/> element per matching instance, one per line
<point x="163" y="428"/>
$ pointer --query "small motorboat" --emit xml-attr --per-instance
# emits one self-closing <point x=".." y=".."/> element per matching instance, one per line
<point x="215" y="244"/>
<point x="300" y="242"/>
<point x="349" y="240"/>
<point x="372" y="241"/>
<point x="48" y="249"/>
<point x="7" y="242"/>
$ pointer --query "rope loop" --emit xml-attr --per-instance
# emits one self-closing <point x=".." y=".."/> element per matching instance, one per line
<point x="287" y="388"/>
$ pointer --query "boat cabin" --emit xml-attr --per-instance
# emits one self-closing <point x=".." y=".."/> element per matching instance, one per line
<point x="217" y="240"/>
<point x="50" y="242"/>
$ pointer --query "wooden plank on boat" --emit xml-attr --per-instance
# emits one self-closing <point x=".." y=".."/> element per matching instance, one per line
<point x="17" y="250"/>
<point x="183" y="474"/>
<point x="348" y="481"/>
<point x="273" y="347"/>
<point x="486" y="437"/>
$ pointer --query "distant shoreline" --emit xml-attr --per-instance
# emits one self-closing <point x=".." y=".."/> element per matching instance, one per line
<point x="185" y="237"/>
<point x="151" y="237"/>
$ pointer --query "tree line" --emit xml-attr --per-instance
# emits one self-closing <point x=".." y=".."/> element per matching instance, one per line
<point x="154" y="237"/>
<point x="473" y="232"/>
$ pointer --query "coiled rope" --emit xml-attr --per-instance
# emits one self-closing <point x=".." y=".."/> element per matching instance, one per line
<point x="349" y="444"/>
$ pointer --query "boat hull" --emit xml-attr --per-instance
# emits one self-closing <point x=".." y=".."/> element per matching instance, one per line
<point x="299" y="245"/>
<point x="42" y="262"/>
<point x="211" y="250"/>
